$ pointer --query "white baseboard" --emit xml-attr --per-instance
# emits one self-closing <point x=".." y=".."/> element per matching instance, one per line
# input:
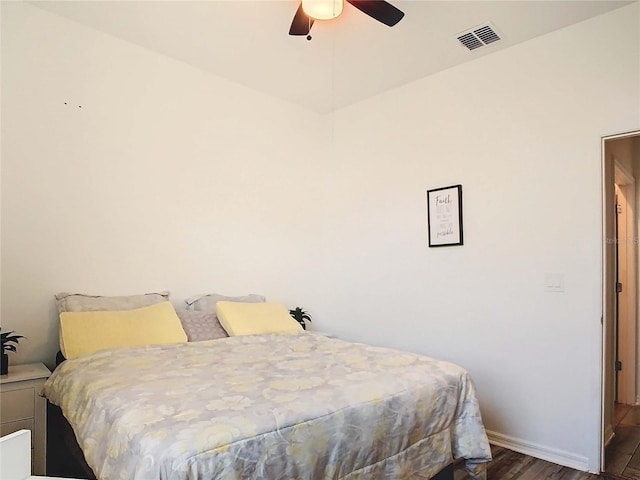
<point x="553" y="455"/>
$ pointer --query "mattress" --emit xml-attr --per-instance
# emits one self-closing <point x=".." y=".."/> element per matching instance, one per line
<point x="270" y="407"/>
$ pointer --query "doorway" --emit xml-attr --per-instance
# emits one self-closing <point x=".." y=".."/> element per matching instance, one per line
<point x="621" y="334"/>
<point x="625" y="306"/>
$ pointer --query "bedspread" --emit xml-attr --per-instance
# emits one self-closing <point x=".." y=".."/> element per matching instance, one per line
<point x="269" y="407"/>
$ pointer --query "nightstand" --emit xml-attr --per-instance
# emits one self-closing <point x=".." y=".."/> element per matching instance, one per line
<point x="22" y="407"/>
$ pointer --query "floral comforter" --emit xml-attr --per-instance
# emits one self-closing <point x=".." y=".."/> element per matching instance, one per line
<point x="269" y="407"/>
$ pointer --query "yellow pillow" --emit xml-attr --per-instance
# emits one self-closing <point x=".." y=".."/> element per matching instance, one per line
<point x="239" y="318"/>
<point x="87" y="332"/>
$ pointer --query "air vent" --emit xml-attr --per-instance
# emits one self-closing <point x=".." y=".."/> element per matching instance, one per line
<point x="478" y="36"/>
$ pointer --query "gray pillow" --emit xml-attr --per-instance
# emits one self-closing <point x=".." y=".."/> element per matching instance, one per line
<point x="80" y="302"/>
<point x="201" y="325"/>
<point x="207" y="302"/>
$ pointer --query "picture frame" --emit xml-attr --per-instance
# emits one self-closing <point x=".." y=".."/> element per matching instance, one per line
<point x="444" y="216"/>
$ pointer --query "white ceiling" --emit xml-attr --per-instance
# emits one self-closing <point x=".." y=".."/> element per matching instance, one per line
<point x="349" y="59"/>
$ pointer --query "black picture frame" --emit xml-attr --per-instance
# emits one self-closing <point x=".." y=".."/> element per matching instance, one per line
<point x="444" y="216"/>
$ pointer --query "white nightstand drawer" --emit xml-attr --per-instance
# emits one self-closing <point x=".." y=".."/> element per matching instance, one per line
<point x="10" y="427"/>
<point x="21" y="406"/>
<point x="17" y="404"/>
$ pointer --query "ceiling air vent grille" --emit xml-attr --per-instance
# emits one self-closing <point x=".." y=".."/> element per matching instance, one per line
<point x="478" y="37"/>
<point x="470" y="41"/>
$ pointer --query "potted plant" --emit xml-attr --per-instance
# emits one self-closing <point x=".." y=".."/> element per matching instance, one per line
<point x="300" y="316"/>
<point x="8" y="343"/>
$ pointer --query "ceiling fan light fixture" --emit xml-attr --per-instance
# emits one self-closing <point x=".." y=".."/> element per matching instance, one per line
<point x="322" y="9"/>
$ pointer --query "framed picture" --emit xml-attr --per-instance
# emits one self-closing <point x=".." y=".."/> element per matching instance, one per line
<point x="444" y="216"/>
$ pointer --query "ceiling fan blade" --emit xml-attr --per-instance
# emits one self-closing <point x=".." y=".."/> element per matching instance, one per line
<point x="380" y="10"/>
<point x="301" y="23"/>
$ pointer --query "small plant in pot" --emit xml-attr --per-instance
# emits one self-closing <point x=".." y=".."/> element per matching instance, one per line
<point x="8" y="343"/>
<point x="300" y="316"/>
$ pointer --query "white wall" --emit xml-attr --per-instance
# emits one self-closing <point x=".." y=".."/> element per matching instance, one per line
<point x="165" y="178"/>
<point x="231" y="207"/>
<point x="520" y="130"/>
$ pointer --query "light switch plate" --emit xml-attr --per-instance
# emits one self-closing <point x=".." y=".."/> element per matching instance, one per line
<point x="554" y="282"/>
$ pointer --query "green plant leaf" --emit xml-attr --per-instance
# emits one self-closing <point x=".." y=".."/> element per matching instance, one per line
<point x="6" y="339"/>
<point x="300" y="315"/>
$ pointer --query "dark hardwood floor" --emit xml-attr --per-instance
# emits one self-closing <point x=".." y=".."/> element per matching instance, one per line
<point x="622" y="457"/>
<point x="623" y="452"/>
<point x="509" y="465"/>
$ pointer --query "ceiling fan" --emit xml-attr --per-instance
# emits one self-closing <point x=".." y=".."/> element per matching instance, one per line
<point x="311" y="10"/>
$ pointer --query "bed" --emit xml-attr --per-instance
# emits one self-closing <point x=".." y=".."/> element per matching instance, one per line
<point x="270" y="406"/>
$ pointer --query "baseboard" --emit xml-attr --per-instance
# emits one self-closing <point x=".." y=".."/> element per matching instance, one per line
<point x="553" y="455"/>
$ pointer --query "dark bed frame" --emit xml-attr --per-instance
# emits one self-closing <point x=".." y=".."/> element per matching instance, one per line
<point x="65" y="457"/>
